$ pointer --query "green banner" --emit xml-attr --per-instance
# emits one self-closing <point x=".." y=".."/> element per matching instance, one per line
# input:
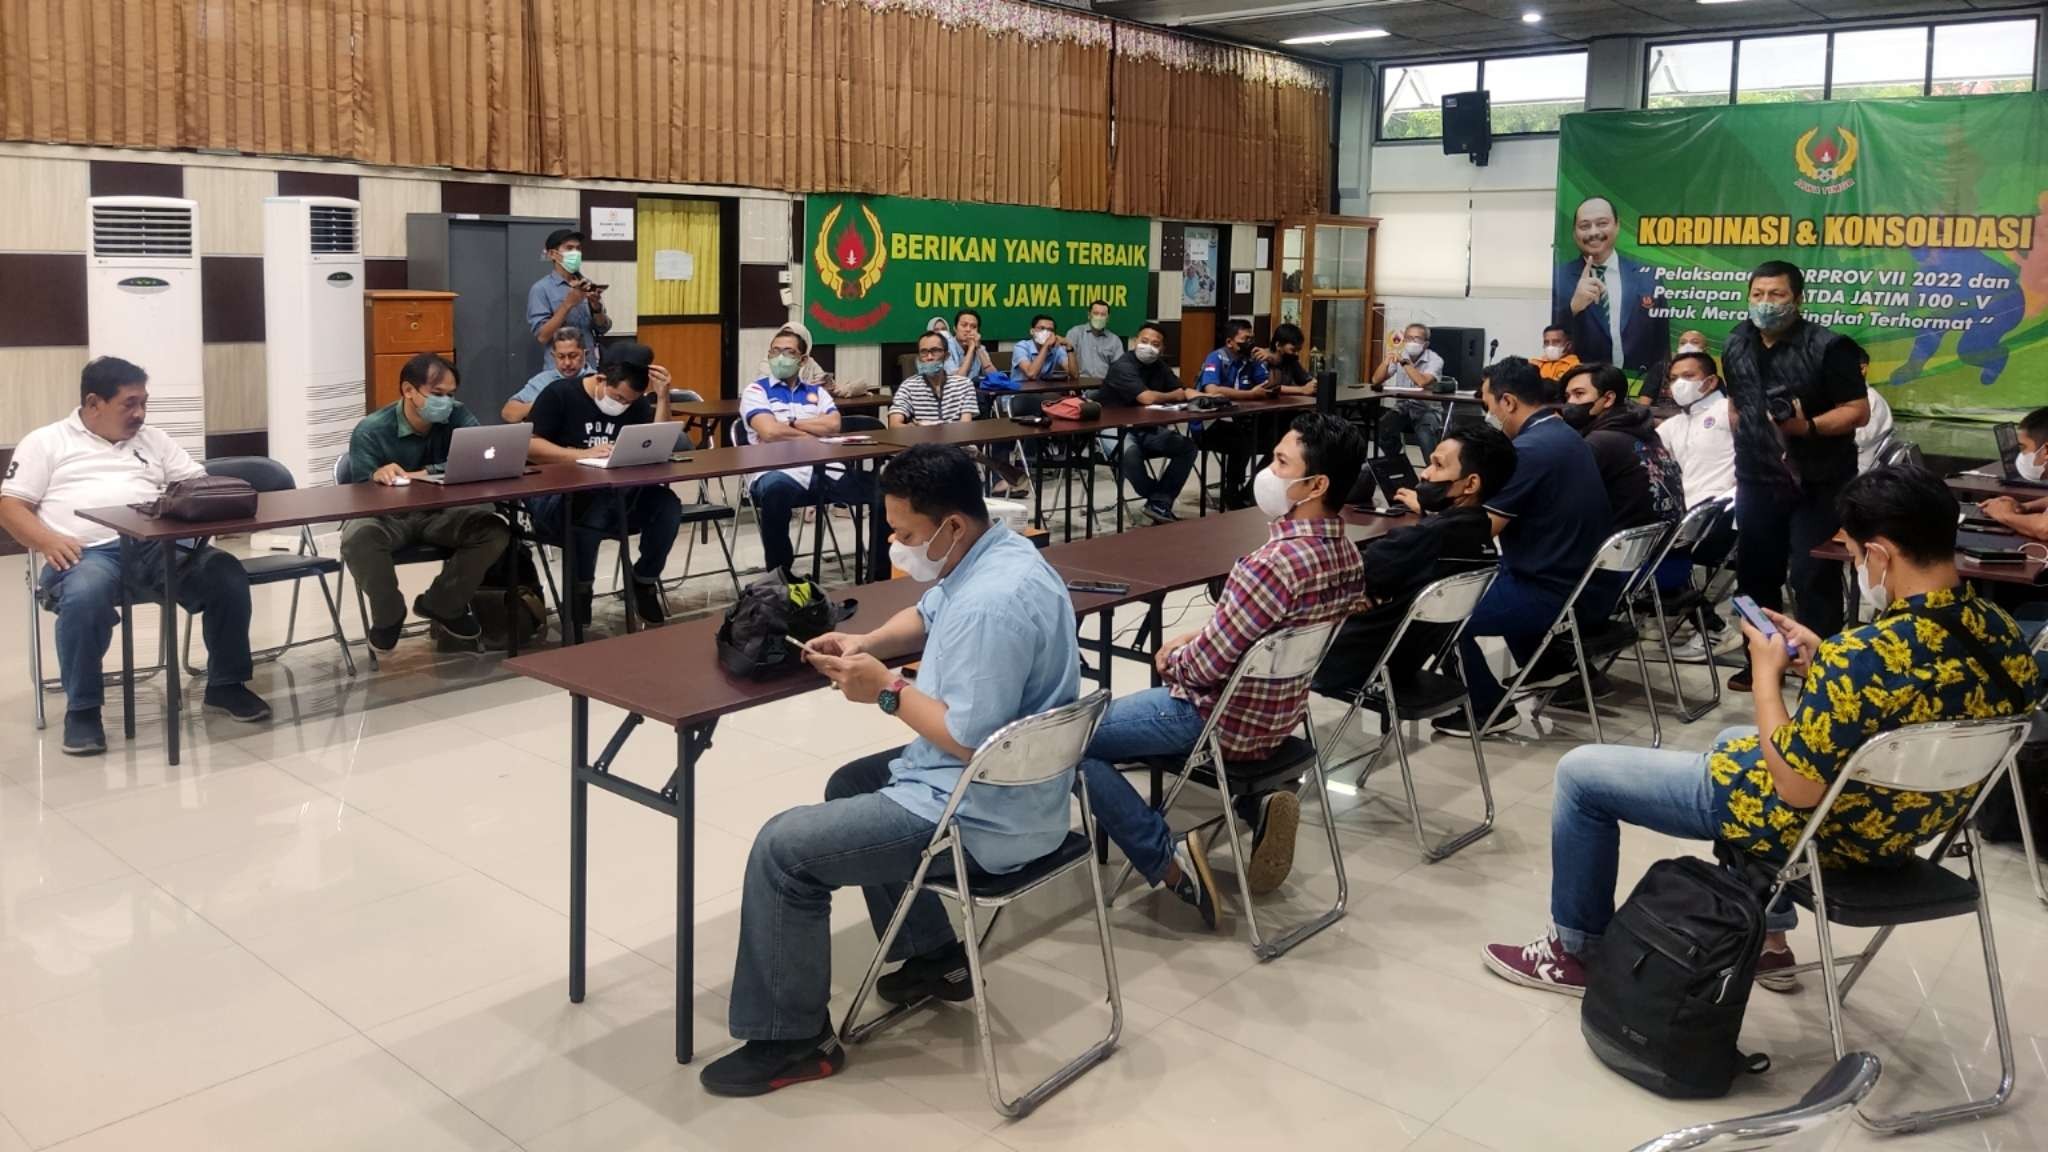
<point x="879" y="268"/>
<point x="1921" y="225"/>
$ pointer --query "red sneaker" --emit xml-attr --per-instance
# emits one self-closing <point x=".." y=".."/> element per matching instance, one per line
<point x="1771" y="971"/>
<point x="1544" y="964"/>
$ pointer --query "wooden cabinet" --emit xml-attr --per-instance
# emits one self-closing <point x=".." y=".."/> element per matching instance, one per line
<point x="399" y="325"/>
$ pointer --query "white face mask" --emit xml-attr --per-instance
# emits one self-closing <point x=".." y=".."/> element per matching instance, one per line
<point x="1553" y="351"/>
<point x="609" y="406"/>
<point x="1270" y="492"/>
<point x="2029" y="464"/>
<point x="1686" y="392"/>
<point x="1145" y="353"/>
<point x="913" y="561"/>
<point x="1412" y="349"/>
<point x="1874" y="592"/>
<point x="1043" y="336"/>
<point x="1689" y="347"/>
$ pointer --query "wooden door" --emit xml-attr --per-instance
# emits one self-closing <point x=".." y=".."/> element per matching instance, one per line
<point x="693" y="351"/>
<point x="1197" y="340"/>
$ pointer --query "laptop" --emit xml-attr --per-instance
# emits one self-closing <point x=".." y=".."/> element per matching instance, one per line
<point x="2009" y="457"/>
<point x="639" y="444"/>
<point x="484" y="453"/>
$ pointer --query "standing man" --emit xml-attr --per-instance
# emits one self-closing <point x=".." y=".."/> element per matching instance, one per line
<point x="996" y="632"/>
<point x="565" y="296"/>
<point x="1137" y="378"/>
<point x="565" y="362"/>
<point x="1797" y="398"/>
<point x="1410" y="364"/>
<point x="1043" y="356"/>
<point x="1095" y="346"/>
<point x="1236" y="371"/>
<point x="402" y="440"/>
<point x="1603" y="300"/>
<point x="1557" y="358"/>
<point x="104" y="455"/>
<point x="779" y="407"/>
<point x="578" y="419"/>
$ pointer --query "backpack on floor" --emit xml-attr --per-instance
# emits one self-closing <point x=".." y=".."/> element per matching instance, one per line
<point x="1667" y="985"/>
<point x="529" y="608"/>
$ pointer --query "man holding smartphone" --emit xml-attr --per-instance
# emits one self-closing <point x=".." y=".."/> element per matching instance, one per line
<point x="566" y="296"/>
<point x="1410" y="364"/>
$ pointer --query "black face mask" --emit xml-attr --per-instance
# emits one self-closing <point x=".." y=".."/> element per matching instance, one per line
<point x="1433" y="495"/>
<point x="1579" y="416"/>
<point x="1290" y="358"/>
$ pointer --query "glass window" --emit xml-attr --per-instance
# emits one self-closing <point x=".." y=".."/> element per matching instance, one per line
<point x="1992" y="56"/>
<point x="1879" y="64"/>
<point x="1533" y="93"/>
<point x="1690" y="75"/>
<point x="1781" y="69"/>
<point x="1411" y="97"/>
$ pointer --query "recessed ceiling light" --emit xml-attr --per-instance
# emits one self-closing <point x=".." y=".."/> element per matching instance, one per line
<point x="1532" y="17"/>
<point x="1333" y="37"/>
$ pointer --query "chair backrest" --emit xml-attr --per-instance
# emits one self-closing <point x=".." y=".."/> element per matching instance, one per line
<point x="1452" y="599"/>
<point x="1695" y="524"/>
<point x="1806" y="1126"/>
<point x="260" y="472"/>
<point x="343" y="473"/>
<point x="1630" y="549"/>
<point x="683" y="396"/>
<point x="1038" y="748"/>
<point x="738" y="432"/>
<point x="1938" y="756"/>
<point x="851" y="423"/>
<point x="1288" y="654"/>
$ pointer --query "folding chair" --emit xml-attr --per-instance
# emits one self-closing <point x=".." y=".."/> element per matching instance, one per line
<point x="1694" y="601"/>
<point x="267" y="475"/>
<point x="1934" y="757"/>
<point x="741" y="436"/>
<point x="1449" y="601"/>
<point x="2019" y="799"/>
<point x="1035" y="750"/>
<point x="38" y="603"/>
<point x="1807" y="1126"/>
<point x="412" y="554"/>
<point x="1292" y="654"/>
<point x="1626" y="552"/>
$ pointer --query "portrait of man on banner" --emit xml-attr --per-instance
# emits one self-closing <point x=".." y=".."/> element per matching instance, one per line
<point x="1603" y="299"/>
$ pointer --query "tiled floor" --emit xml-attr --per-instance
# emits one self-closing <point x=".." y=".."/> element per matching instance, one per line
<point x="346" y="930"/>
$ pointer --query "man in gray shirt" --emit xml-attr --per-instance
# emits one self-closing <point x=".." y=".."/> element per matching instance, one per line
<point x="1095" y="346"/>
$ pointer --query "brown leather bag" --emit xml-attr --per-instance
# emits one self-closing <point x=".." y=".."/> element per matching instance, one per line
<point x="203" y="498"/>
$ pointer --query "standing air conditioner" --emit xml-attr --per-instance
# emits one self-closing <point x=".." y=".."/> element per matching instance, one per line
<point x="313" y="330"/>
<point x="142" y="304"/>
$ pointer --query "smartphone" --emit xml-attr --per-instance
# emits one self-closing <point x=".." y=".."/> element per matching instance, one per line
<point x="680" y="457"/>
<point x="801" y="645"/>
<point x="1761" y="622"/>
<point x="1103" y="587"/>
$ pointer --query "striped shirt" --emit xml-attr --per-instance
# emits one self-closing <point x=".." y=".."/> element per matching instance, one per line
<point x="919" y="404"/>
<point x="1307" y="572"/>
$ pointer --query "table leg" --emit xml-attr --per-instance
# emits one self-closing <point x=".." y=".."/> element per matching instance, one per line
<point x="173" y="673"/>
<point x="508" y="571"/>
<point x="1116" y="478"/>
<point x="127" y="647"/>
<point x="572" y="629"/>
<point x="1108" y="627"/>
<point x="1038" y="486"/>
<point x="819" y="510"/>
<point x="625" y="556"/>
<point x="579" y="839"/>
<point x="687" y="745"/>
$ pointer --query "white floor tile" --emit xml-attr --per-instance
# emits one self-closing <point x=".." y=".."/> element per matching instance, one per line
<point x="76" y="941"/>
<point x="42" y="853"/>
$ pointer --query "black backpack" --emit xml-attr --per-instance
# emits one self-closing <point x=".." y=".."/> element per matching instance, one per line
<point x="753" y="640"/>
<point x="1669" y="981"/>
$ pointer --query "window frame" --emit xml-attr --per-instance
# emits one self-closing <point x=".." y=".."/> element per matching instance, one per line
<point x="1381" y="68"/>
<point x="1928" y="26"/>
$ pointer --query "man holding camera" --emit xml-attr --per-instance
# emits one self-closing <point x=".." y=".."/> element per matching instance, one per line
<point x="1410" y="364"/>
<point x="566" y="296"/>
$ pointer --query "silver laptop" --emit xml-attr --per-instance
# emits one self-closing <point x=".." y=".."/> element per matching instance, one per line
<point x="493" y="453"/>
<point x="639" y="444"/>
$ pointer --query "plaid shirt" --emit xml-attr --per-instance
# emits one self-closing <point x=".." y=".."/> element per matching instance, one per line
<point x="1308" y="572"/>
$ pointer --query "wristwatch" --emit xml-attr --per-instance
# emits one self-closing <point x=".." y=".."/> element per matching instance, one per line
<point x="892" y="697"/>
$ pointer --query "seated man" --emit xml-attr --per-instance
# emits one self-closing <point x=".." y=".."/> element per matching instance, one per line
<point x="1043" y="356"/>
<point x="1701" y="440"/>
<point x="404" y="439"/>
<point x="1872" y="438"/>
<point x="1557" y="358"/>
<point x="1307" y="572"/>
<point x="1656" y="378"/>
<point x="808" y="370"/>
<point x="1551" y="520"/>
<point x="1137" y="378"/>
<point x="2029" y="518"/>
<point x="934" y="397"/>
<point x="103" y="455"/>
<point x="565" y="362"/>
<point x="1453" y="535"/>
<point x="966" y="355"/>
<point x="1914" y="663"/>
<point x="1642" y="480"/>
<point x="579" y="419"/>
<point x="1409" y="364"/>
<point x="1285" y="363"/>
<point x="778" y="407"/>
<point x="1094" y="346"/>
<point x="1237" y="372"/>
<point x="997" y="634"/>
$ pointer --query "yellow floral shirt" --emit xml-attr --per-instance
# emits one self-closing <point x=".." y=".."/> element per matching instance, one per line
<point x="1901" y="669"/>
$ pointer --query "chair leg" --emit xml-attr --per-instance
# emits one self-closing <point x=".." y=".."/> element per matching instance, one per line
<point x="1450" y="845"/>
<point x="1586" y="684"/>
<point x="1288" y="938"/>
<point x="2012" y="777"/>
<point x="1643" y="674"/>
<point x="348" y="660"/>
<point x="852" y="1032"/>
<point x="1713" y="668"/>
<point x="363" y="611"/>
<point x="732" y="567"/>
<point x="35" y="652"/>
<point x="1831" y="980"/>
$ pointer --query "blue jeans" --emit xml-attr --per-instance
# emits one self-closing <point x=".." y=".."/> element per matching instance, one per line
<point x="777" y="496"/>
<point x="782" y="981"/>
<point x="1142" y="444"/>
<point x="654" y="512"/>
<point x="1602" y="786"/>
<point x="1146" y="724"/>
<point x="88" y="602"/>
<point x="1417" y="422"/>
<point x="1519" y="613"/>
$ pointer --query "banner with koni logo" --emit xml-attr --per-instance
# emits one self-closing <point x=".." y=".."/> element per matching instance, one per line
<point x="878" y="268"/>
<point x="1922" y="226"/>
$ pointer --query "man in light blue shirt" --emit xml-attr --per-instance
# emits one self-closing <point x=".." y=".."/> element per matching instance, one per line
<point x="1043" y="356"/>
<point x="566" y="296"/>
<point x="565" y="361"/>
<point x="997" y="640"/>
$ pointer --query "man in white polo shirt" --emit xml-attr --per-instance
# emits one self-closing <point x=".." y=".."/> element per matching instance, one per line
<point x="104" y="455"/>
<point x="778" y="407"/>
<point x="1700" y="439"/>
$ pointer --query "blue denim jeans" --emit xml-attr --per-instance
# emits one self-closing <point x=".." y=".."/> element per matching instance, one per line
<point x="1149" y="723"/>
<point x="777" y="496"/>
<point x="1599" y="788"/>
<point x="654" y="512"/>
<point x="782" y="982"/>
<point x="1517" y="612"/>
<point x="88" y="600"/>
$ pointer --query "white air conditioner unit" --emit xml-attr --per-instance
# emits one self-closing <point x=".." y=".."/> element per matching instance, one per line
<point x="142" y="303"/>
<point x="313" y="330"/>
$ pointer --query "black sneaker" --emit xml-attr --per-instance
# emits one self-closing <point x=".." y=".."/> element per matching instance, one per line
<point x="579" y="603"/>
<point x="386" y="638"/>
<point x="941" y="975"/>
<point x="1572" y="697"/>
<point x="759" y="1067"/>
<point x="84" y="735"/>
<point x="1455" y="724"/>
<point x="1197" y="885"/>
<point x="647" y="602"/>
<point x="464" y="626"/>
<point x="1275" y="822"/>
<point x="241" y="705"/>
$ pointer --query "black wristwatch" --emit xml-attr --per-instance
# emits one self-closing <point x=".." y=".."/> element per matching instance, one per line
<point x="891" y="698"/>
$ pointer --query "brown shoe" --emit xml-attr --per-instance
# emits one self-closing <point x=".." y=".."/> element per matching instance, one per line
<point x="1771" y="971"/>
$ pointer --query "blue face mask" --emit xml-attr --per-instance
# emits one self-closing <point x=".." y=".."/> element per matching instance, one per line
<point x="436" y="409"/>
<point x="931" y="367"/>
<point x="1768" y="317"/>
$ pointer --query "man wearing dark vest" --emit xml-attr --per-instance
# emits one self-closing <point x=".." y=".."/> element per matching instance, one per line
<point x="1796" y="399"/>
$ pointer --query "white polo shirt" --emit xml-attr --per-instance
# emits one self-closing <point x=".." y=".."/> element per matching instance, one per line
<point x="64" y="468"/>
<point x="787" y="402"/>
<point x="1704" y="446"/>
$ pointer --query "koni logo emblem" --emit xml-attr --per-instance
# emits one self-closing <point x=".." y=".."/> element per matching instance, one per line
<point x="1824" y="166"/>
<point x="850" y="264"/>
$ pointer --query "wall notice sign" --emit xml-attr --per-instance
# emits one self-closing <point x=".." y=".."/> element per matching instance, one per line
<point x="611" y="223"/>
<point x="674" y="264"/>
<point x="1241" y="282"/>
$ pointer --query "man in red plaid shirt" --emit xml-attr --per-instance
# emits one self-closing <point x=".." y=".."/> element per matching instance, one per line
<point x="1307" y="572"/>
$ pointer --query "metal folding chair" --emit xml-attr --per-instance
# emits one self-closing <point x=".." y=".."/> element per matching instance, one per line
<point x="1449" y="601"/>
<point x="1695" y="601"/>
<point x="1292" y="654"/>
<point x="1807" y="1126"/>
<point x="267" y="475"/>
<point x="38" y="603"/>
<point x="1035" y="750"/>
<point x="2019" y="799"/>
<point x="1934" y="757"/>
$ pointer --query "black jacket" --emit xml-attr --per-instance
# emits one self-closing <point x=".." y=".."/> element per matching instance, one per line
<point x="1404" y="561"/>
<point x="1643" y="482"/>
<point x="1127" y="379"/>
